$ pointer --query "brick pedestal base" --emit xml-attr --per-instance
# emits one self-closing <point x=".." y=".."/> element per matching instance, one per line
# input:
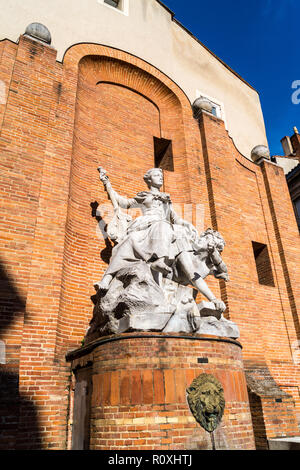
<point x="131" y="393"/>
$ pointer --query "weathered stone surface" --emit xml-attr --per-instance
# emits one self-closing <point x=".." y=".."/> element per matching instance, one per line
<point x="212" y="326"/>
<point x="39" y="31"/>
<point x="134" y="301"/>
<point x="208" y="309"/>
<point x="185" y="309"/>
<point x="201" y="104"/>
<point x="287" y="443"/>
<point x="260" y="152"/>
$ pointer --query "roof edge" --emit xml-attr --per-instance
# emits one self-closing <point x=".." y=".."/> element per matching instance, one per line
<point x="166" y="8"/>
<point x="292" y="172"/>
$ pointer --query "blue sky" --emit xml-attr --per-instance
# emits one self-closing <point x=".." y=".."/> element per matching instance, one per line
<point x="259" y="39"/>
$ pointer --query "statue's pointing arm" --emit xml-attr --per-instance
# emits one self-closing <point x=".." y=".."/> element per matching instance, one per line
<point x="220" y="268"/>
<point x="116" y="199"/>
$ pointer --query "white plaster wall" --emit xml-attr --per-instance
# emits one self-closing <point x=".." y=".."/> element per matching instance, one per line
<point x="288" y="164"/>
<point x="149" y="33"/>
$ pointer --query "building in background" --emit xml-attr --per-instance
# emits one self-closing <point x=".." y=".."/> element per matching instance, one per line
<point x="293" y="179"/>
<point x="291" y="165"/>
<point x="124" y="85"/>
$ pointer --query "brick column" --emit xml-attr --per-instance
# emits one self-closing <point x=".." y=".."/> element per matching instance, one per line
<point x="36" y="140"/>
<point x="287" y="238"/>
<point x="223" y="183"/>
<point x="249" y="204"/>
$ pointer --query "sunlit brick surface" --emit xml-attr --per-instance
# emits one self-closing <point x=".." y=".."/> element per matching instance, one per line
<point x="101" y="106"/>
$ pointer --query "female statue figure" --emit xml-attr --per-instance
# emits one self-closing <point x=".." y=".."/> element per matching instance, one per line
<point x="164" y="241"/>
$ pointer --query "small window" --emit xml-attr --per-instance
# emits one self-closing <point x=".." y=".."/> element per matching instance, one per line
<point x="113" y="3"/>
<point x="216" y="111"/>
<point x="216" y="108"/>
<point x="263" y="264"/>
<point x="121" y="6"/>
<point x="163" y="154"/>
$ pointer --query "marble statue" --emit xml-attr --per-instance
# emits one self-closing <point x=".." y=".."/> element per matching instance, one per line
<point x="158" y="263"/>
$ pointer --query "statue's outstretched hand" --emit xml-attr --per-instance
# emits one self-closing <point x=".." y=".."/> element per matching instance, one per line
<point x="192" y="230"/>
<point x="223" y="276"/>
<point x="102" y="174"/>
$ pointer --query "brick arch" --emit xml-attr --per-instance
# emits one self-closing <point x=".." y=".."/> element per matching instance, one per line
<point x="94" y="69"/>
<point x="131" y="76"/>
<point x="128" y="88"/>
<point x="97" y="72"/>
<point x="77" y="53"/>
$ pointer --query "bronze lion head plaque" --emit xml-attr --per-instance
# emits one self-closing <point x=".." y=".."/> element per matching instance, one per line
<point x="206" y="401"/>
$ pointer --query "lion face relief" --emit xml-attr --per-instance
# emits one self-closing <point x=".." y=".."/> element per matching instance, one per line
<point x="206" y="401"/>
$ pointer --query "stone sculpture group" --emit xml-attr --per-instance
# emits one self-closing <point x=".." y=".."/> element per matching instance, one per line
<point x="158" y="263"/>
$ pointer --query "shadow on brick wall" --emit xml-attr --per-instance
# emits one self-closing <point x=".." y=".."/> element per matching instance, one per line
<point x="12" y="303"/>
<point x="18" y="417"/>
<point x="107" y="251"/>
<point x="259" y="429"/>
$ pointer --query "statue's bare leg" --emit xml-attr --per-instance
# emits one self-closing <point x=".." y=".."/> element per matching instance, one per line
<point x="104" y="283"/>
<point x="186" y="265"/>
<point x="161" y="266"/>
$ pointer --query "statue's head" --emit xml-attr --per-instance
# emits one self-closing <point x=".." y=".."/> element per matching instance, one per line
<point x="206" y="400"/>
<point x="154" y="177"/>
<point x="215" y="238"/>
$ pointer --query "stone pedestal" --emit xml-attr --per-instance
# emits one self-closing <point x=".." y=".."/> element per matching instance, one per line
<point x="136" y="392"/>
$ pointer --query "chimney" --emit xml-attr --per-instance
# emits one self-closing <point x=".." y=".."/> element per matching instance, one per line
<point x="291" y="145"/>
<point x="295" y="141"/>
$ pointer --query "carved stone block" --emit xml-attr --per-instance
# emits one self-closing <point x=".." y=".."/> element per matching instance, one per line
<point x="144" y="322"/>
<point x="212" y="326"/>
<point x="208" y="309"/>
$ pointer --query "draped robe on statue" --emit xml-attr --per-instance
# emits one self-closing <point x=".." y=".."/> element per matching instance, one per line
<point x="158" y="233"/>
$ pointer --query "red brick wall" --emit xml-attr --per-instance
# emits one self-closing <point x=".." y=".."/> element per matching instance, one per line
<point x="57" y="125"/>
<point x="295" y="141"/>
<point x="30" y="74"/>
<point x="245" y="210"/>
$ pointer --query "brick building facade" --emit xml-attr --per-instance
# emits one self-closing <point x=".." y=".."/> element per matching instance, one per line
<point x="291" y="164"/>
<point x="102" y="105"/>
